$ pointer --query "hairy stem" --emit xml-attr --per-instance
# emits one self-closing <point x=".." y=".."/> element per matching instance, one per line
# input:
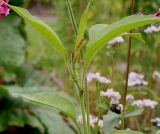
<point x="127" y="70"/>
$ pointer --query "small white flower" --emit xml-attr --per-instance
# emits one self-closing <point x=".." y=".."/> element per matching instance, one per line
<point x="145" y="103"/>
<point x="152" y="29"/>
<point x="80" y="119"/>
<point x="136" y="79"/>
<point x="156" y="75"/>
<point x="129" y="97"/>
<point x="116" y="40"/>
<point x="97" y="77"/>
<point x="93" y="121"/>
<point x="114" y="96"/>
<point x="156" y="122"/>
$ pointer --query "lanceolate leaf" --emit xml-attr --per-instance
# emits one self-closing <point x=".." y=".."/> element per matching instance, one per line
<point x="114" y="30"/>
<point x="125" y="132"/>
<point x="42" y="28"/>
<point x="82" y="25"/>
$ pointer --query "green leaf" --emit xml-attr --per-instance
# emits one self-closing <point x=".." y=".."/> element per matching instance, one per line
<point x="55" y="100"/>
<point x="133" y="111"/>
<point x="82" y="26"/>
<point x="95" y="31"/>
<point x="125" y="132"/>
<point x="12" y="44"/>
<point x="114" y="30"/>
<point x="110" y="121"/>
<point x="52" y="121"/>
<point x="42" y="28"/>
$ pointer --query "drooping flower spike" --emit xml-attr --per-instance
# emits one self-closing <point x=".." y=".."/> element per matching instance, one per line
<point x="4" y="9"/>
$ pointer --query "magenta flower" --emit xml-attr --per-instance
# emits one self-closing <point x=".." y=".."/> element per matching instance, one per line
<point x="157" y="14"/>
<point x="4" y="10"/>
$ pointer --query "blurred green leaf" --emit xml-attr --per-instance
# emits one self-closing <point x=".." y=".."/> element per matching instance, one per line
<point x="43" y="28"/>
<point x="133" y="111"/>
<point x="52" y="121"/>
<point x="110" y="121"/>
<point x="137" y="36"/>
<point x="125" y="132"/>
<point x="113" y="30"/>
<point x="55" y="100"/>
<point x="12" y="45"/>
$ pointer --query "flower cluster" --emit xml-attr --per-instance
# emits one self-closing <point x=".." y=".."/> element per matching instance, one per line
<point x="157" y="14"/>
<point x="145" y="103"/>
<point x="97" y="77"/>
<point x="156" y="75"/>
<point x="129" y="97"/>
<point x="93" y="121"/>
<point x="136" y="79"/>
<point x="116" y="40"/>
<point x="152" y="29"/>
<point x="156" y="122"/>
<point x="4" y="10"/>
<point x="112" y="95"/>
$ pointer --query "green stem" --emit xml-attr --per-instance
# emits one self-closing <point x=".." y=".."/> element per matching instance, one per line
<point x="81" y="98"/>
<point x="88" y="109"/>
<point x="113" y="67"/>
<point x="84" y="83"/>
<point x="127" y="71"/>
<point x="99" y="113"/>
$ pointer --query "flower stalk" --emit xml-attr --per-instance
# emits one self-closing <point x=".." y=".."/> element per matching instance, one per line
<point x="127" y="70"/>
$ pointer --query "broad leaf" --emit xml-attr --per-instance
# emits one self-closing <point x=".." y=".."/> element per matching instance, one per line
<point x="42" y="28"/>
<point x="12" y="44"/>
<point x="95" y="31"/>
<point x="114" y="30"/>
<point x="52" y="121"/>
<point x="54" y="100"/>
<point x="125" y="132"/>
<point x="110" y="121"/>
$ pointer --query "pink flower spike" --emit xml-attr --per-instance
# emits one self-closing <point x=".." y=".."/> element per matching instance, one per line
<point x="140" y="14"/>
<point x="4" y="10"/>
<point x="158" y="13"/>
<point x="1" y="16"/>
